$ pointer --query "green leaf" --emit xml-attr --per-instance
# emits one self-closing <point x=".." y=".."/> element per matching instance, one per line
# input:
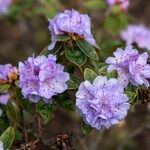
<point x="93" y="4"/>
<point x="17" y="83"/>
<point x="45" y="111"/>
<point x="89" y="74"/>
<point x="75" y="55"/>
<point x="103" y="70"/>
<point x="25" y="104"/>
<point x="4" y="87"/>
<point x="72" y="85"/>
<point x="8" y="137"/>
<point x="86" y="128"/>
<point x="101" y="64"/>
<point x="87" y="48"/>
<point x="4" y="123"/>
<point x="131" y="96"/>
<point x="64" y="101"/>
<point x="13" y="113"/>
<point x="112" y="74"/>
<point x="62" y="38"/>
<point x="130" y="88"/>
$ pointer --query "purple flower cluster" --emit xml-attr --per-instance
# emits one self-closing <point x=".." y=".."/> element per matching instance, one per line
<point x="42" y="77"/>
<point x="138" y="34"/>
<point x="8" y="73"/>
<point x="102" y="103"/>
<point x="131" y="66"/>
<point x="4" y="6"/>
<point x="124" y="4"/>
<point x="70" y="21"/>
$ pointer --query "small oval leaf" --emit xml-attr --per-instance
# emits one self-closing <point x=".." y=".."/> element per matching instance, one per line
<point x="103" y="70"/>
<point x="64" y="101"/>
<point x="89" y="74"/>
<point x="131" y="96"/>
<point x="72" y="85"/>
<point x="12" y="112"/>
<point x="45" y="111"/>
<point x="62" y="38"/>
<point x="4" y="87"/>
<point x="8" y="137"/>
<point x="87" y="48"/>
<point x="75" y="55"/>
<point x="86" y="128"/>
<point x="112" y="74"/>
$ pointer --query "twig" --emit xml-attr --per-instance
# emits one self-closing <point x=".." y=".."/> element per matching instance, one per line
<point x="81" y="69"/>
<point x="24" y="126"/>
<point x="39" y="126"/>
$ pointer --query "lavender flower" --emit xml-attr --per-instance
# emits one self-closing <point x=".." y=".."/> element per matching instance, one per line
<point x="138" y="34"/>
<point x="124" y="4"/>
<point x="70" y="22"/>
<point x="1" y="145"/>
<point x="4" y="6"/>
<point x="42" y="77"/>
<point x="4" y="97"/>
<point x="131" y="66"/>
<point x="102" y="103"/>
<point x="8" y="73"/>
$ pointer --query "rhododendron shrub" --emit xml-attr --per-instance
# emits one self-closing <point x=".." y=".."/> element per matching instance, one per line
<point x="70" y="74"/>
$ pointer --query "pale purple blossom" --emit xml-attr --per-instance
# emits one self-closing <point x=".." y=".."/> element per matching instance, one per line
<point x="42" y="77"/>
<point x="124" y="4"/>
<point x="4" y="97"/>
<point x="1" y="145"/>
<point x="111" y="2"/>
<point x="4" y="6"/>
<point x="70" y="21"/>
<point x="131" y="66"/>
<point x="138" y="34"/>
<point x="102" y="103"/>
<point x="6" y="70"/>
<point x="5" y="74"/>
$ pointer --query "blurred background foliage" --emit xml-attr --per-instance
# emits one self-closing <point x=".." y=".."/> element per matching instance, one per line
<point x="24" y="31"/>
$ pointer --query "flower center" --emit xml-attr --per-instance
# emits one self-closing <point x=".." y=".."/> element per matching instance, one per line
<point x="36" y="70"/>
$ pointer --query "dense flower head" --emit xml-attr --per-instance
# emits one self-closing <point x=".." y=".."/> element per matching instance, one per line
<point x="138" y="34"/>
<point x="8" y="73"/>
<point x="4" y="6"/>
<point x="131" y="66"/>
<point x="124" y="4"/>
<point x="70" y="22"/>
<point x="42" y="77"/>
<point x="102" y="103"/>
